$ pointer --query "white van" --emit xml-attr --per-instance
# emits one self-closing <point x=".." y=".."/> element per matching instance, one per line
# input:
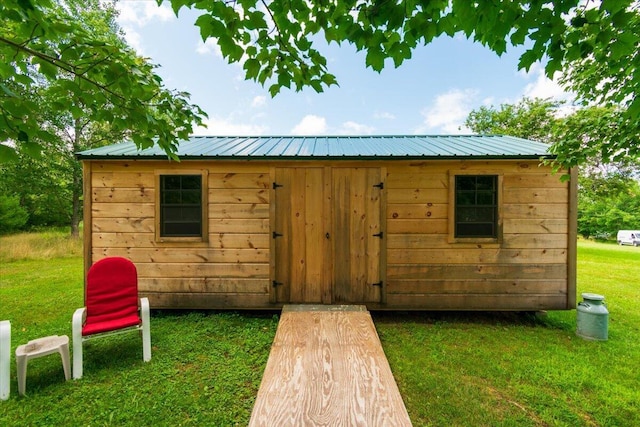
<point x="629" y="237"/>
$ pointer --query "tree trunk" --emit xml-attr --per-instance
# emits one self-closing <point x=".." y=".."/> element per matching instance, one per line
<point x="76" y="192"/>
<point x="76" y="209"/>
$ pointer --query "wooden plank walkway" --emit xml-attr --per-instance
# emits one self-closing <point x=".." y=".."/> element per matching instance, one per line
<point x="327" y="368"/>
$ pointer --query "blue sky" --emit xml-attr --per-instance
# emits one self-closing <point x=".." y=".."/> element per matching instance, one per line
<point x="432" y="93"/>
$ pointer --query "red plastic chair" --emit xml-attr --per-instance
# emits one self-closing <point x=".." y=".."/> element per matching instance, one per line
<point x="111" y="307"/>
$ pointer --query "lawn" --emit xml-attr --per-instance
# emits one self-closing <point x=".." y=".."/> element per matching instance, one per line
<point x="452" y="368"/>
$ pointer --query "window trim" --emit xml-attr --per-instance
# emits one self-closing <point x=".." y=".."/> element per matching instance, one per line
<point x="487" y="241"/>
<point x="204" y="201"/>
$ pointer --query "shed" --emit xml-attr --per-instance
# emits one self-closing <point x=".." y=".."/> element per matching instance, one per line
<point x="392" y="222"/>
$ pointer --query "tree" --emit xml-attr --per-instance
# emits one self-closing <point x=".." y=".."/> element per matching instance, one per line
<point x="598" y="136"/>
<point x="12" y="215"/>
<point x="529" y="118"/>
<point x="608" y="192"/>
<point x="591" y="136"/>
<point x="606" y="204"/>
<point x="53" y="178"/>
<point x="46" y="43"/>
<point x="275" y="40"/>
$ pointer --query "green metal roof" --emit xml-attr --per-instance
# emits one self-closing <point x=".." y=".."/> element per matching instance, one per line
<point x="333" y="147"/>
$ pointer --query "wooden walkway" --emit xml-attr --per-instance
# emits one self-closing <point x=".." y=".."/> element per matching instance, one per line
<point x="327" y="368"/>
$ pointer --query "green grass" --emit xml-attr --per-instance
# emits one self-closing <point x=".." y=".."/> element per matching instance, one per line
<point x="452" y="368"/>
<point x="49" y="244"/>
<point x="513" y="369"/>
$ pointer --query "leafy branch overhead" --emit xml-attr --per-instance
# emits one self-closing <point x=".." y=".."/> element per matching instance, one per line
<point x="275" y="38"/>
<point x="84" y="64"/>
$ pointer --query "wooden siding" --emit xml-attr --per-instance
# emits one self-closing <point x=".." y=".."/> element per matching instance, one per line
<point x="530" y="267"/>
<point x="524" y="269"/>
<point x="228" y="268"/>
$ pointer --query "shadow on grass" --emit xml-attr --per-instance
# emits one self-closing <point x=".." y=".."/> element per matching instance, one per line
<point x="491" y="318"/>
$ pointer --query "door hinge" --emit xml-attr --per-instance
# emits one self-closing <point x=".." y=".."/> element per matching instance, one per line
<point x="275" y="185"/>
<point x="377" y="284"/>
<point x="380" y="186"/>
<point x="276" y="284"/>
<point x="276" y="235"/>
<point x="380" y="234"/>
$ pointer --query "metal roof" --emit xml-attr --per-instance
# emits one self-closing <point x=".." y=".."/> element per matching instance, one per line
<point x="333" y="147"/>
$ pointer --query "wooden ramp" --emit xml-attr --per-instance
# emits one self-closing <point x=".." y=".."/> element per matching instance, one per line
<point x="327" y="368"/>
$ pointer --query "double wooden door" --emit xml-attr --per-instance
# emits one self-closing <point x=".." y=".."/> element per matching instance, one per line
<point x="327" y="235"/>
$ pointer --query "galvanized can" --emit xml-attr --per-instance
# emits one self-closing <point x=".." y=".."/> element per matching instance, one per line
<point x="593" y="318"/>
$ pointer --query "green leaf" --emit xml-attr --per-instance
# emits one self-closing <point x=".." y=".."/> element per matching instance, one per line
<point x="252" y="68"/>
<point x="274" y="89"/>
<point x="7" y="154"/>
<point x="8" y="91"/>
<point x="375" y="59"/>
<point x="527" y="59"/>
<point x="46" y="68"/>
<point x="284" y="79"/>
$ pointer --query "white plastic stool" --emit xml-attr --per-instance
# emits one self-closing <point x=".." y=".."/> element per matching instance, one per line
<point x="38" y="348"/>
<point x="5" y="359"/>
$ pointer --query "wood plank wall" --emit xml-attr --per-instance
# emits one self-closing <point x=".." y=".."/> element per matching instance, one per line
<point x="229" y="269"/>
<point x="529" y="269"/>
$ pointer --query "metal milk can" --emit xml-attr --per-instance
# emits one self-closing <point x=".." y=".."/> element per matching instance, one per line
<point x="593" y="318"/>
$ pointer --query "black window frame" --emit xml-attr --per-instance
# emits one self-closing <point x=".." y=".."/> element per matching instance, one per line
<point x="476" y="206"/>
<point x="185" y="201"/>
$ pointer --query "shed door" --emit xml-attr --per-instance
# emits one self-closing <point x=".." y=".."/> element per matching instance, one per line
<point x="327" y="237"/>
<point x="299" y="235"/>
<point x="356" y="235"/>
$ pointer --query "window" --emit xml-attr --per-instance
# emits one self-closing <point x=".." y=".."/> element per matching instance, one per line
<point x="181" y="213"/>
<point x="476" y="206"/>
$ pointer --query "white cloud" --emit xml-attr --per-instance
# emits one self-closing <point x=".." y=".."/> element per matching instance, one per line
<point x="543" y="87"/>
<point x="448" y="112"/>
<point x="259" y="101"/>
<point x="221" y="126"/>
<point x="133" y="39"/>
<point x="141" y="13"/>
<point x="209" y="47"/>
<point x="310" y="125"/>
<point x="132" y="16"/>
<point x="353" y="128"/>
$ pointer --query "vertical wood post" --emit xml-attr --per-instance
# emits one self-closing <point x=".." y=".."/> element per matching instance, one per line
<point x="87" y="221"/>
<point x="572" y="236"/>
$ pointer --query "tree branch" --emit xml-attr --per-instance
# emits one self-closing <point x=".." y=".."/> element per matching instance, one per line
<point x="60" y="64"/>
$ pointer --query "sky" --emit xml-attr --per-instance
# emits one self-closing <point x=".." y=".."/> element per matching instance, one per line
<point x="430" y="94"/>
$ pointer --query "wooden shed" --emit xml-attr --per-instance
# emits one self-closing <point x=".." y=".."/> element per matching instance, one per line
<point x="392" y="222"/>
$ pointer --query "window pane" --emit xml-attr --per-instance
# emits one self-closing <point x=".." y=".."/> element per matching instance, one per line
<point x="191" y="182"/>
<point x="465" y="182"/>
<point x="476" y="204"/>
<point x="170" y="182"/>
<point x="182" y="229"/>
<point x="485" y="198"/>
<point x="465" y="198"/>
<point x="485" y="182"/>
<point x="191" y="214"/>
<point x="475" y="215"/>
<point x="191" y="197"/>
<point x="171" y="197"/>
<point x="475" y="230"/>
<point x="181" y="206"/>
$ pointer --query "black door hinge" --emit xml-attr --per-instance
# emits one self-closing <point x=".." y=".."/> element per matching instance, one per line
<point x="380" y="235"/>
<point x="276" y="235"/>
<point x="275" y="284"/>
<point x="377" y="284"/>
<point x="277" y="185"/>
<point x="380" y="186"/>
